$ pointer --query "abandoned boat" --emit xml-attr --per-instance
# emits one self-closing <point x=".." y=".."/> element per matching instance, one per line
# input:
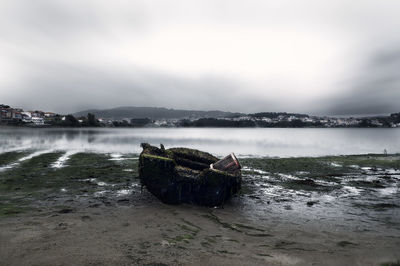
<point x="182" y="175"/>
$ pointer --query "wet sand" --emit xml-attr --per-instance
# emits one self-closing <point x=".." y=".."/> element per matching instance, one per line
<point x="159" y="234"/>
<point x="56" y="210"/>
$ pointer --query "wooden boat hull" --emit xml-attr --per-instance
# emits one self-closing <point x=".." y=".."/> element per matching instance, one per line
<point x="183" y="175"/>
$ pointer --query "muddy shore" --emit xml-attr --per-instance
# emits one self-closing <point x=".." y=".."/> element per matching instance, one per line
<point x="88" y="209"/>
<point x="156" y="234"/>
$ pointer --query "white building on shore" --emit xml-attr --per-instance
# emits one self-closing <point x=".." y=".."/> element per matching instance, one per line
<point x="38" y="121"/>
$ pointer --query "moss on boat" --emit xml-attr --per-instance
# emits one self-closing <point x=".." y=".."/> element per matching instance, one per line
<point x="182" y="175"/>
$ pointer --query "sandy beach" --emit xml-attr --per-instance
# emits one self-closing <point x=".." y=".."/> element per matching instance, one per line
<point x="59" y="208"/>
<point x="159" y="234"/>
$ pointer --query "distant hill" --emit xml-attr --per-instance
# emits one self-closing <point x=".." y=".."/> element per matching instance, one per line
<point x="153" y="113"/>
<point x="275" y="115"/>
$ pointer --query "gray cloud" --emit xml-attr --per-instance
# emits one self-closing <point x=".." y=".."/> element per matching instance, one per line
<point x="303" y="56"/>
<point x="90" y="87"/>
<point x="376" y="90"/>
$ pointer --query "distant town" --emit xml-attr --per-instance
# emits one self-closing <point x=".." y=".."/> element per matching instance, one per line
<point x="10" y="116"/>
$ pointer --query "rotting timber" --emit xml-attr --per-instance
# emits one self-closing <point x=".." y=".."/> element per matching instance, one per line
<point x="182" y="175"/>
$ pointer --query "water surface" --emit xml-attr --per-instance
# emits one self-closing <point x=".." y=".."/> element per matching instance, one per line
<point x="245" y="142"/>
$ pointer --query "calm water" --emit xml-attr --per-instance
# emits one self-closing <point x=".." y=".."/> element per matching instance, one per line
<point x="285" y="142"/>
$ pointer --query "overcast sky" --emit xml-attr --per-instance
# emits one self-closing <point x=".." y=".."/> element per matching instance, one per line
<point x="317" y="57"/>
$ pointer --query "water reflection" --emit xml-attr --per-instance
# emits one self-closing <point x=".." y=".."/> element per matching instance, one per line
<point x="220" y="141"/>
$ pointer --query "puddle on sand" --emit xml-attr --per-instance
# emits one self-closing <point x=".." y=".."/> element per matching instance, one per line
<point x="393" y="171"/>
<point x="335" y="164"/>
<point x="352" y="190"/>
<point x="63" y="159"/>
<point x="124" y="192"/>
<point x="28" y="157"/>
<point x="389" y="191"/>
<point x="254" y="170"/>
<point x="7" y="167"/>
<point x="288" y="177"/>
<point x="99" y="193"/>
<point x="120" y="157"/>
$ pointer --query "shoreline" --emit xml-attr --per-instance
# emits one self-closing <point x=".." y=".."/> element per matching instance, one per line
<point x="227" y="127"/>
<point x="90" y="209"/>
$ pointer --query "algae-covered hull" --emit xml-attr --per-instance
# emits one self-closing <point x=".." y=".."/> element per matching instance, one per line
<point x="181" y="175"/>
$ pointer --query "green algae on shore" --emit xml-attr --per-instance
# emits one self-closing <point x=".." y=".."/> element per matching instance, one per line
<point x="90" y="175"/>
<point x="314" y="173"/>
<point x="323" y="166"/>
<point x="10" y="157"/>
<point x="35" y="179"/>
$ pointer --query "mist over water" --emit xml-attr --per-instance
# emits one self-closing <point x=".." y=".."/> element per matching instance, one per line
<point x="269" y="142"/>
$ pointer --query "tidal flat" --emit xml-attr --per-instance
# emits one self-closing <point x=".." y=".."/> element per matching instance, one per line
<point x="63" y="208"/>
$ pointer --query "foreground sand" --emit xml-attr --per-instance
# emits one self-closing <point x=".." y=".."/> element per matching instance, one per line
<point x="158" y="234"/>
